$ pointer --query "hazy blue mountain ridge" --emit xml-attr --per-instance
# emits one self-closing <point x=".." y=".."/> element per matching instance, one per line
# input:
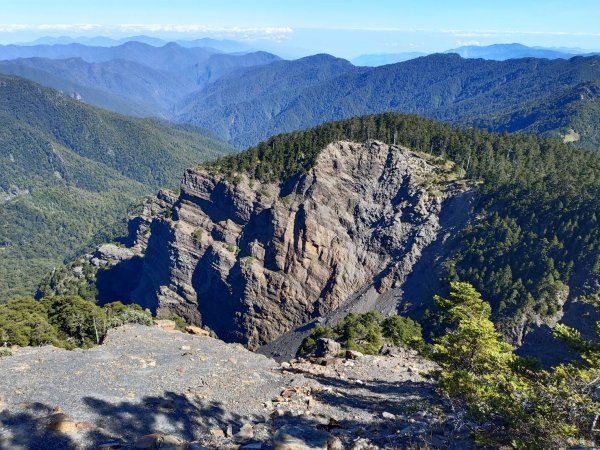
<point x="250" y="105"/>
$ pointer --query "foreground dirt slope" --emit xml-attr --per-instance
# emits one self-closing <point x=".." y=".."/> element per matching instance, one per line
<point x="200" y="390"/>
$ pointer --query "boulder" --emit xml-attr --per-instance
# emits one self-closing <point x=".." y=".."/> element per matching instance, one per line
<point x="165" y="324"/>
<point x="353" y="354"/>
<point x="327" y="347"/>
<point x="197" y="331"/>
<point x="149" y="442"/>
<point x="62" y="423"/>
<point x="64" y="426"/>
<point x="245" y="432"/>
<point x="217" y="432"/>
<point x="173" y="443"/>
<point x="335" y="443"/>
<point x="300" y="438"/>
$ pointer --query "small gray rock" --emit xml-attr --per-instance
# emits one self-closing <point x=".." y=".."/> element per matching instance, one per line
<point x="246" y="432"/>
<point x="327" y="347"/>
<point x="300" y="438"/>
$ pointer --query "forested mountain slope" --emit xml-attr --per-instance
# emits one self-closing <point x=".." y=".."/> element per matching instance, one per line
<point x="570" y="113"/>
<point x="248" y="106"/>
<point x="245" y="98"/>
<point x="254" y="103"/>
<point x="69" y="172"/>
<point x="119" y="85"/>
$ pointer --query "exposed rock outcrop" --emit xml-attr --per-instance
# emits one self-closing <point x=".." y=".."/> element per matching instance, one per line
<point x="13" y="193"/>
<point x="251" y="260"/>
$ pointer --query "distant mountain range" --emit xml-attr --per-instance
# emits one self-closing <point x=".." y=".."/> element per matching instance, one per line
<point x="502" y="52"/>
<point x="224" y="45"/>
<point x="132" y="78"/>
<point x="247" y="97"/>
<point x="252" y="104"/>
<point x="170" y="56"/>
<point x="69" y="172"/>
<point x="496" y="52"/>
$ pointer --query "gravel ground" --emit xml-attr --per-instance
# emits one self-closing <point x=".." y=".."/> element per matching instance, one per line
<point x="142" y="379"/>
<point x="197" y="389"/>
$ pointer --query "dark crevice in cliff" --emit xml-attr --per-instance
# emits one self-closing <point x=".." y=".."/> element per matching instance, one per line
<point x="259" y="228"/>
<point x="215" y="296"/>
<point x="209" y="208"/>
<point x="319" y="307"/>
<point x="156" y="268"/>
<point x="119" y="281"/>
<point x="300" y="230"/>
<point x="403" y="193"/>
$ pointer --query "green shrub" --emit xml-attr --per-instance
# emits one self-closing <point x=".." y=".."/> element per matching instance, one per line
<point x="402" y="331"/>
<point x="79" y="322"/>
<point x="65" y="321"/>
<point x="24" y="321"/>
<point x="309" y="344"/>
<point x="180" y="324"/>
<point x="514" y="402"/>
<point x="232" y="248"/>
<point x="119" y="314"/>
<point x="366" y="333"/>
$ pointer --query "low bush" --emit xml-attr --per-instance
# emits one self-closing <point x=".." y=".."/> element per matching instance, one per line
<point x="367" y="333"/>
<point x="64" y="321"/>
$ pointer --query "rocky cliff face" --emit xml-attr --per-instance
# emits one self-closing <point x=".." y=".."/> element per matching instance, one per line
<point x="251" y="260"/>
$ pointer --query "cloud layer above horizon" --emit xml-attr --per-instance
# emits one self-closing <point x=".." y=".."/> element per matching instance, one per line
<point x="344" y="28"/>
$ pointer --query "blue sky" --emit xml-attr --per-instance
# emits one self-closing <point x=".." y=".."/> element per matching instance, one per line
<point x="345" y="28"/>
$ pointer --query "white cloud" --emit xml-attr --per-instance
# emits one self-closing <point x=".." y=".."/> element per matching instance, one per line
<point x="466" y="33"/>
<point x="467" y="43"/>
<point x="10" y="28"/>
<point x="501" y="33"/>
<point x="242" y="33"/>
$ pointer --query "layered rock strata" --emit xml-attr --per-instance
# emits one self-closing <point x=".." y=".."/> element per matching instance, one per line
<point x="252" y="260"/>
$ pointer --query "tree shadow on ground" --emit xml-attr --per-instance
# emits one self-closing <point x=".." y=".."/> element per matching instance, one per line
<point x="169" y="413"/>
<point x="191" y="418"/>
<point x="126" y="421"/>
<point x="405" y="400"/>
<point x="27" y="429"/>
